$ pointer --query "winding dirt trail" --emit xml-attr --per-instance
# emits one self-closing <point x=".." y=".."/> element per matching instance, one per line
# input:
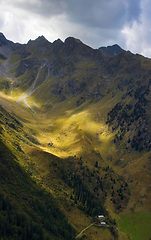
<point x="80" y="234"/>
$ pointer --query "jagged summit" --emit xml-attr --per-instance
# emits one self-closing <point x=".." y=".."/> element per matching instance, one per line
<point x="74" y="42"/>
<point x="58" y="41"/>
<point x="72" y="39"/>
<point x="112" y="50"/>
<point x="70" y="44"/>
<point x="41" y="40"/>
<point x="75" y="46"/>
<point x="3" y="40"/>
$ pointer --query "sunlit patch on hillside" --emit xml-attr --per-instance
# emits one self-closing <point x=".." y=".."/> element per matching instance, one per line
<point x="72" y="135"/>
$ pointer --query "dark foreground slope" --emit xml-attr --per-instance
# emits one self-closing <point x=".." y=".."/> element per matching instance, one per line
<point x="27" y="211"/>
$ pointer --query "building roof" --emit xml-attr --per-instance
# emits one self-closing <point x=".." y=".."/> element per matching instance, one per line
<point x="100" y="216"/>
<point x="102" y="224"/>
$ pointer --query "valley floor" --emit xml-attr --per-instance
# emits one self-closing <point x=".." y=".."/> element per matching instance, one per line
<point x="54" y="145"/>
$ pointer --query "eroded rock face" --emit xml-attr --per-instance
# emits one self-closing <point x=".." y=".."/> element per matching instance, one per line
<point x="4" y="41"/>
<point x="25" y="65"/>
<point x="2" y="57"/>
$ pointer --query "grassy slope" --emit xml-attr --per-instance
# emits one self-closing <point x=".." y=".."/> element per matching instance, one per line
<point x="136" y="167"/>
<point x="21" y="141"/>
<point x="72" y="134"/>
<point x="80" y="132"/>
<point x="63" y="129"/>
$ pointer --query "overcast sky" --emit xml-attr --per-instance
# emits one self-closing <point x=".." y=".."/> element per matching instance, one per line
<point x="95" y="22"/>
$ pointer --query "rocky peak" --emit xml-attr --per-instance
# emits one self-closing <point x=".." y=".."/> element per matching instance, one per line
<point x="71" y="44"/>
<point x="58" y="42"/>
<point x="75" y="45"/>
<point x="72" y="40"/>
<point x="3" y="40"/>
<point x="41" y="41"/>
<point x="113" y="50"/>
<point x="57" y="46"/>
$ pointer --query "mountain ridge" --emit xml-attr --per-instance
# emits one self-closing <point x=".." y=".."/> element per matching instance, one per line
<point x="69" y="40"/>
<point x="78" y="121"/>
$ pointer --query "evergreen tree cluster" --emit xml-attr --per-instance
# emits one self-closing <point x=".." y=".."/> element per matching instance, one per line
<point x="130" y="117"/>
<point x="81" y="194"/>
<point x="52" y="218"/>
<point x="15" y="225"/>
<point x="85" y="200"/>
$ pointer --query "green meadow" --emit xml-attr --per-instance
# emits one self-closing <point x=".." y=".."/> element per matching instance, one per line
<point x="136" y="226"/>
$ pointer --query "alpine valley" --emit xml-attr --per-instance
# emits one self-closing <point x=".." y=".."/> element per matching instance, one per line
<point x="75" y="142"/>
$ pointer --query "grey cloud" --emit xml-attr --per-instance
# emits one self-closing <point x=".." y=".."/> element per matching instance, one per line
<point x="96" y="13"/>
<point x="133" y="10"/>
<point x="45" y="8"/>
<point x="104" y="37"/>
<point x="1" y="22"/>
<point x="104" y="14"/>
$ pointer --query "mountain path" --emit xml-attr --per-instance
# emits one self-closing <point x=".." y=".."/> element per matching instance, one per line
<point x="80" y="234"/>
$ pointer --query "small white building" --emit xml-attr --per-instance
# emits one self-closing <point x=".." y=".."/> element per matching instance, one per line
<point x="102" y="224"/>
<point x="101" y="217"/>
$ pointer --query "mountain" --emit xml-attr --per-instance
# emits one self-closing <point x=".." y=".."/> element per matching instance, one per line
<point x="112" y="50"/>
<point x="4" y="41"/>
<point x="75" y="137"/>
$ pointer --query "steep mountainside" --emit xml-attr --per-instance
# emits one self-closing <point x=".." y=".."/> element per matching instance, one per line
<point x="75" y="127"/>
